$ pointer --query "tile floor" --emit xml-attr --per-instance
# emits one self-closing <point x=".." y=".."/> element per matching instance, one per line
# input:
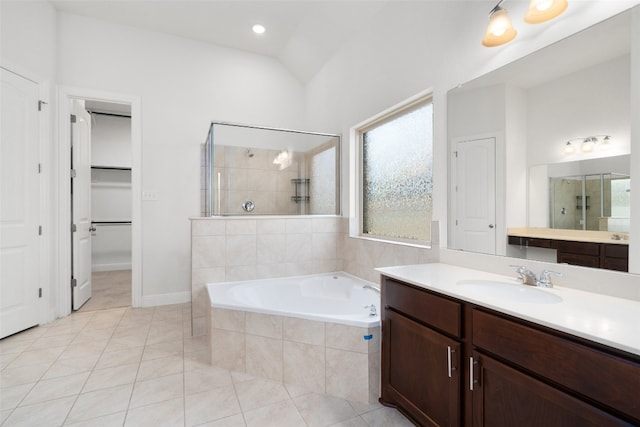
<point x="110" y="289"/>
<point x="141" y="367"/>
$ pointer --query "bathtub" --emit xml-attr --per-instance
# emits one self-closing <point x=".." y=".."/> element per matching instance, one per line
<point x="334" y="297"/>
<point x="317" y="332"/>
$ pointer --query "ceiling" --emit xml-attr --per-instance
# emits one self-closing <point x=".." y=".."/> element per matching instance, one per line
<point x="302" y="34"/>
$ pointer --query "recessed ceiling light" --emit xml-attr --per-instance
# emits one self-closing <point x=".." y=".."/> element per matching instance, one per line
<point x="258" y="29"/>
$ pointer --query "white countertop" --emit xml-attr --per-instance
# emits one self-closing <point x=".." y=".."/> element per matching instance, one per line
<point x="589" y="236"/>
<point x="611" y="321"/>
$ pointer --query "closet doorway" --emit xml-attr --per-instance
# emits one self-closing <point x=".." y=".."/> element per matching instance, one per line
<point x="111" y="206"/>
<point x="103" y="269"/>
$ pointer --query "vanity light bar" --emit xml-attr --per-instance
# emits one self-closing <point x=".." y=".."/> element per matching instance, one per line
<point x="588" y="143"/>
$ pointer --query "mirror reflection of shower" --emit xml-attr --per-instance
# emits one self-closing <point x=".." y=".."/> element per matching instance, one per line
<point x="591" y="202"/>
<point x="255" y="170"/>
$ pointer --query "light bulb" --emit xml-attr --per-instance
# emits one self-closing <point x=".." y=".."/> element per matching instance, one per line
<point x="544" y="10"/>
<point x="500" y="29"/>
<point x="569" y="149"/>
<point x="587" y="145"/>
<point x="258" y="29"/>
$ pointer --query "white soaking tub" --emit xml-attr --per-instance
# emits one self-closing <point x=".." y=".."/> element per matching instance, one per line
<point x="316" y="331"/>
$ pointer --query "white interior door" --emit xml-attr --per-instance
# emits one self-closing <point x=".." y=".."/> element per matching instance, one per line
<point x="19" y="205"/>
<point x="81" y="203"/>
<point x="475" y="186"/>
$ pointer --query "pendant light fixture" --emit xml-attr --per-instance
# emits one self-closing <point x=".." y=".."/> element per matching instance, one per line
<point x="500" y="29"/>
<point x="544" y="10"/>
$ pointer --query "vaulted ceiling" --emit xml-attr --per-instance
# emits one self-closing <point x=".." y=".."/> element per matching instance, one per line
<point x="302" y="34"/>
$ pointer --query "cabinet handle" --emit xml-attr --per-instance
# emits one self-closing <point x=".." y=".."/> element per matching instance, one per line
<point x="472" y="379"/>
<point x="450" y="368"/>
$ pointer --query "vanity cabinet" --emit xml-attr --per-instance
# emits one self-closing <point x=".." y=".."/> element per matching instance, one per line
<point x="421" y="354"/>
<point x="610" y="256"/>
<point x="504" y="371"/>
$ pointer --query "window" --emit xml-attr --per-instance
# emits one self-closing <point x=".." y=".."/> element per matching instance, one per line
<point x="396" y="177"/>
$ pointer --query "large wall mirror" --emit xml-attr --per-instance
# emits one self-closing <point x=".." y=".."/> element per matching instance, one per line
<point x="540" y="151"/>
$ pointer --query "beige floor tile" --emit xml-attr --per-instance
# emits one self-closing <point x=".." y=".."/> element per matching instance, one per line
<point x="36" y="357"/>
<point x="163" y="349"/>
<point x="10" y="377"/>
<point x="281" y="414"/>
<point x="7" y="358"/>
<point x="99" y="403"/>
<point x="47" y="341"/>
<point x="51" y="413"/>
<point x="160" y="367"/>
<point x="353" y="422"/>
<point x="232" y="421"/>
<point x="157" y="390"/>
<point x="259" y="392"/>
<point x="64" y="367"/>
<point x="211" y="405"/>
<point x="320" y="410"/>
<point x="112" y="420"/>
<point x="386" y="417"/>
<point x="13" y="346"/>
<point x="363" y="408"/>
<point x="120" y="357"/>
<point x="10" y="397"/>
<point x="4" y="414"/>
<point x="164" y="414"/>
<point x="55" y="388"/>
<point x="201" y="380"/>
<point x="110" y="377"/>
<point x="87" y="349"/>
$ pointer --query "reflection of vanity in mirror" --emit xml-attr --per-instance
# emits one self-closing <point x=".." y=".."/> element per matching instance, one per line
<point x="540" y="153"/>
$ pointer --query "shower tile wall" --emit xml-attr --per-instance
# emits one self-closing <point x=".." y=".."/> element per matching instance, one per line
<point x="242" y="174"/>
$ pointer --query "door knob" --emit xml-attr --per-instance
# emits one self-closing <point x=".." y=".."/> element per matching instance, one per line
<point x="92" y="228"/>
<point x="491" y="225"/>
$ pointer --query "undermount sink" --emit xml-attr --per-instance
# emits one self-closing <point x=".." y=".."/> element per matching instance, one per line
<point x="510" y="291"/>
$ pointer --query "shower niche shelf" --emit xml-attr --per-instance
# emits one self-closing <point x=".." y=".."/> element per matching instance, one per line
<point x="301" y="188"/>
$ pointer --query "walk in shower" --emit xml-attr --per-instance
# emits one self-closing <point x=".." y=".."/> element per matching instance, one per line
<point x="256" y="170"/>
<point x="591" y="202"/>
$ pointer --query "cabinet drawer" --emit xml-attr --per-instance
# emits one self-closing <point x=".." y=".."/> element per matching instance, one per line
<point x="615" y="251"/>
<point x="577" y="259"/>
<point x="439" y="312"/>
<point x="590" y="372"/>
<point x="530" y="242"/>
<point x="581" y="248"/>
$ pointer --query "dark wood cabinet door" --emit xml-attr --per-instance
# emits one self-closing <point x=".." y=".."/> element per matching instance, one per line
<point x="420" y="371"/>
<point x="507" y="397"/>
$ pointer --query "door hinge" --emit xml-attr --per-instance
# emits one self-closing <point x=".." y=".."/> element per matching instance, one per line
<point x="39" y="167"/>
<point x="73" y="118"/>
<point x="73" y="173"/>
<point x="74" y="228"/>
<point x="39" y="230"/>
<point x="456" y="222"/>
<point x="455" y="153"/>
<point x="40" y="104"/>
<point x="74" y="282"/>
<point x="40" y="293"/>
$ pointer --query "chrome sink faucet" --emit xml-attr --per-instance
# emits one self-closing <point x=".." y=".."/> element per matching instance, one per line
<point x="525" y="276"/>
<point x="528" y="277"/>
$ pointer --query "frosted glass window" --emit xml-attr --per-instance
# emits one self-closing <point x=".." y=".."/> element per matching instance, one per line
<point x="397" y="184"/>
<point x="620" y="198"/>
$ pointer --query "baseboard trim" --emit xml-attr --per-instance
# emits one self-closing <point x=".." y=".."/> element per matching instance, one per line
<point x="111" y="267"/>
<point x="166" y="299"/>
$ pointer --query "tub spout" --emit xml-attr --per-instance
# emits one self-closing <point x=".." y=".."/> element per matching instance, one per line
<point x="373" y="288"/>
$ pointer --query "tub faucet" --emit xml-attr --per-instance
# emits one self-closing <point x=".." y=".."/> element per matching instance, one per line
<point x="372" y="310"/>
<point x="373" y="288"/>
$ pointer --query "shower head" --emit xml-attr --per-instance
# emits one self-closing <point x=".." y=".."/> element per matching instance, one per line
<point x="249" y="153"/>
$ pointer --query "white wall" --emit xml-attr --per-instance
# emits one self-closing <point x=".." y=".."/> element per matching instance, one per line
<point x="110" y="141"/>
<point x="411" y="46"/>
<point x="28" y="33"/>
<point x="183" y="85"/>
<point x="593" y="101"/>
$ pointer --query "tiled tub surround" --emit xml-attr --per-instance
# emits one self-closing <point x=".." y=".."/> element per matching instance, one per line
<point x="245" y="248"/>
<point x="317" y="333"/>
<point x="320" y="357"/>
